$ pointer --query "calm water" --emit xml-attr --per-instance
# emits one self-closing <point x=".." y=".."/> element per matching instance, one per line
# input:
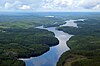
<point x="51" y="57"/>
<point x="70" y="23"/>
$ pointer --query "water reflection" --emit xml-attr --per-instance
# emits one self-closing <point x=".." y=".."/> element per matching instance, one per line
<point x="51" y="57"/>
<point x="72" y="23"/>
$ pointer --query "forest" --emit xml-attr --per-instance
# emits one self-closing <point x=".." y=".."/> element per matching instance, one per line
<point x="20" y="39"/>
<point x="84" y="45"/>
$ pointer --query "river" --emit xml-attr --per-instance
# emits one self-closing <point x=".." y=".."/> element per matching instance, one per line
<point x="51" y="57"/>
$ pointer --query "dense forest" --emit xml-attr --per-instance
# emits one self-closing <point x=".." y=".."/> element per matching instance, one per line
<point x="23" y="43"/>
<point x="84" y="45"/>
<point x="28" y="20"/>
<point x="20" y="39"/>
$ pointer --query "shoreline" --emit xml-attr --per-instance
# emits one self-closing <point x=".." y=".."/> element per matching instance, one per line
<point x="63" y="49"/>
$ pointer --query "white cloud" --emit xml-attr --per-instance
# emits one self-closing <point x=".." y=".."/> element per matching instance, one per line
<point x="13" y="5"/>
<point x="97" y="7"/>
<point x="70" y="3"/>
<point x="25" y="7"/>
<point x="57" y="3"/>
<point x="88" y="4"/>
<point x="50" y="5"/>
<point x="8" y="5"/>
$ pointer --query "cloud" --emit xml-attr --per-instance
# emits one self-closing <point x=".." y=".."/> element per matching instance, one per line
<point x="97" y="7"/>
<point x="56" y="3"/>
<point x="8" y="5"/>
<point x="25" y="7"/>
<point x="20" y="4"/>
<point x="71" y="5"/>
<point x="13" y="5"/>
<point x="50" y="5"/>
<point x="89" y="4"/>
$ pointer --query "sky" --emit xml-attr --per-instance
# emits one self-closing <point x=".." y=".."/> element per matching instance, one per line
<point x="50" y="5"/>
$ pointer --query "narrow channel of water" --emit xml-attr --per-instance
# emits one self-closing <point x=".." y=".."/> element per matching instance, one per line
<point x="51" y="57"/>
